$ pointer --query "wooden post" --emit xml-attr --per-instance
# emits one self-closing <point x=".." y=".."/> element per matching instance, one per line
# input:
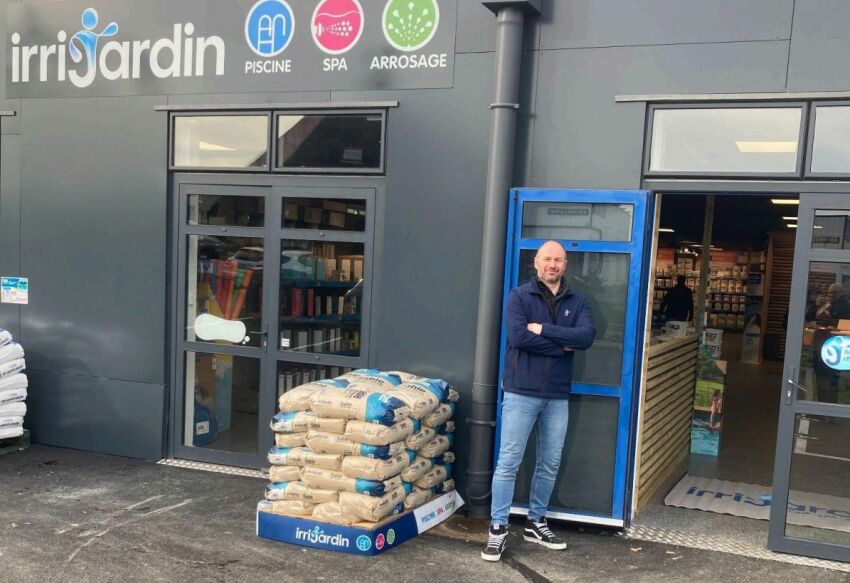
<point x="705" y="258"/>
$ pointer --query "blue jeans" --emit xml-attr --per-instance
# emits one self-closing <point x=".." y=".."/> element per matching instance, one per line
<point x="519" y="414"/>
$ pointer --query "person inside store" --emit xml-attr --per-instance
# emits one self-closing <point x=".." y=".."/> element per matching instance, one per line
<point x="678" y="303"/>
<point x="546" y="322"/>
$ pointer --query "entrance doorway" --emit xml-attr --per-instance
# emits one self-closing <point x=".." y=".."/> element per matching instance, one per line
<point x="722" y="472"/>
<point x="273" y="289"/>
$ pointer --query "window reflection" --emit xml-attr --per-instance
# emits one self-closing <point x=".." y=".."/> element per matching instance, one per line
<point x="726" y="140"/>
<point x="577" y="221"/>
<point x="824" y="371"/>
<point x="831" y="148"/>
<point x="221" y="141"/>
<point x="345" y="141"/>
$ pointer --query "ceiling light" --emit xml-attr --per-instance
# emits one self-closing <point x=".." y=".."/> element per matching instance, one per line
<point x="818" y="227"/>
<point x="210" y="147"/>
<point x="792" y="225"/>
<point x="766" y="147"/>
<point x="665" y="230"/>
<point x="784" y="201"/>
<point x="789" y="218"/>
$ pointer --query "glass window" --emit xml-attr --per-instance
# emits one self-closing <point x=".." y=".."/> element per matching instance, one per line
<point x="725" y="140"/>
<point x="221" y="141"/>
<point x="242" y="211"/>
<point x="293" y="374"/>
<point x="831" y="145"/>
<point x="222" y="402"/>
<point x="340" y="141"/>
<point x="577" y="221"/>
<point x="603" y="278"/>
<point x="324" y="214"/>
<point x="825" y="355"/>
<point x="818" y="506"/>
<point x="225" y="290"/>
<point x="321" y="297"/>
<point x="831" y="230"/>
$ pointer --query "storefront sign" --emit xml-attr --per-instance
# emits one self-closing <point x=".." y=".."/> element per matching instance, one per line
<point x="835" y="352"/>
<point x="112" y="47"/>
<point x="14" y="290"/>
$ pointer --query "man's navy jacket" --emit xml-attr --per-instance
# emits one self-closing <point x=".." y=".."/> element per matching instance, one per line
<point x="537" y="365"/>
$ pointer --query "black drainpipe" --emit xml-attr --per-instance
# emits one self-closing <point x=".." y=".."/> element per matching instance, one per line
<point x="509" y="29"/>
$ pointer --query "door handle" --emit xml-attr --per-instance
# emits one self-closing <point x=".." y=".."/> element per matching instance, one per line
<point x="792" y="384"/>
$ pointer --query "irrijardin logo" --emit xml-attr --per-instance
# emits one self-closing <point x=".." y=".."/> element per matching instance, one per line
<point x="317" y="536"/>
<point x="409" y="25"/>
<point x="835" y="352"/>
<point x="269" y="27"/>
<point x="364" y="543"/>
<point x="181" y="55"/>
<point x="88" y="38"/>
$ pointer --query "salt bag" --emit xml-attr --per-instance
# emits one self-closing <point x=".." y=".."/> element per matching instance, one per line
<point x="375" y="434"/>
<point x="358" y="404"/>
<point x="298" y="399"/>
<point x="11" y="351"/>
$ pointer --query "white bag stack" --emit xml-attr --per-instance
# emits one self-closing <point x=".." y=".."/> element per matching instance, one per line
<point x="341" y="446"/>
<point x="13" y="387"/>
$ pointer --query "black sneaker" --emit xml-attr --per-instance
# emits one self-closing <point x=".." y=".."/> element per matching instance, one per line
<point x="538" y="532"/>
<point x="497" y="540"/>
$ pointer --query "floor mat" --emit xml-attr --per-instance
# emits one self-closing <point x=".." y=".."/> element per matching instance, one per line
<point x="753" y="501"/>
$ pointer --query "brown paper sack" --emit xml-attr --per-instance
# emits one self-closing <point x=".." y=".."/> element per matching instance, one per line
<point x="333" y="513"/>
<point x="293" y="507"/>
<point x="416" y="396"/>
<point x="377" y="434"/>
<point x="371" y="508"/>
<point x="290" y="439"/>
<point x="420" y="438"/>
<point x="284" y="473"/>
<point x="372" y="469"/>
<point x="433" y="477"/>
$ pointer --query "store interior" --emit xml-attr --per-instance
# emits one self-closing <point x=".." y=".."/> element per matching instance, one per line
<point x="739" y="373"/>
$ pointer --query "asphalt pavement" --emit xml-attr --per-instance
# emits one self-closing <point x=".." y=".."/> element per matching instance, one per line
<point x="68" y="515"/>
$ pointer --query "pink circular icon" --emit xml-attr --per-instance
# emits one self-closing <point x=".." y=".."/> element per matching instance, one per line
<point x="379" y="541"/>
<point x="337" y="25"/>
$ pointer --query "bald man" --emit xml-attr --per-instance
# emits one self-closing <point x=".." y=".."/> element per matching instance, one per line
<point x="546" y="322"/>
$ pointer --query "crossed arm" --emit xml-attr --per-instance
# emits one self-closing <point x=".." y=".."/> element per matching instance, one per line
<point x="547" y="339"/>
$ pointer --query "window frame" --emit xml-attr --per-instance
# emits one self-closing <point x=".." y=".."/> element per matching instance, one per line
<point x="380" y="170"/>
<point x="810" y="140"/>
<point x="250" y="170"/>
<point x="802" y="137"/>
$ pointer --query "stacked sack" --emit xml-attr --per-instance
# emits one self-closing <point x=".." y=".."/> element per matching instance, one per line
<point x="345" y="447"/>
<point x="13" y="387"/>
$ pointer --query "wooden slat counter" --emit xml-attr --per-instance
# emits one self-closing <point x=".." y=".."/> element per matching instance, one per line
<point x="667" y="399"/>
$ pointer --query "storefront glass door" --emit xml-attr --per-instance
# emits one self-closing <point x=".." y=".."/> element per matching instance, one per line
<point x="272" y="291"/>
<point x="604" y="234"/>
<point x="810" y="511"/>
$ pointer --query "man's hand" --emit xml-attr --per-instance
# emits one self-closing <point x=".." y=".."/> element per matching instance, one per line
<point x="568" y="349"/>
<point x="535" y="328"/>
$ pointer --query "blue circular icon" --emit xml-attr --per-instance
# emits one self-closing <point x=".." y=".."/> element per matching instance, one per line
<point x="364" y="543"/>
<point x="269" y="27"/>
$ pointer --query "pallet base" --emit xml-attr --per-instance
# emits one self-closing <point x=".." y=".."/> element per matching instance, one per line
<point x="16" y="443"/>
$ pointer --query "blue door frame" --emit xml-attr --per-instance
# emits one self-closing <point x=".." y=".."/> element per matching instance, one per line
<point x="627" y="391"/>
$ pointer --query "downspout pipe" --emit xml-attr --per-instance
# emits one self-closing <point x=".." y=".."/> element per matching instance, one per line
<point x="503" y="120"/>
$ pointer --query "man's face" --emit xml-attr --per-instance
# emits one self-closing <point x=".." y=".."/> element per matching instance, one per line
<point x="834" y="292"/>
<point x="550" y="263"/>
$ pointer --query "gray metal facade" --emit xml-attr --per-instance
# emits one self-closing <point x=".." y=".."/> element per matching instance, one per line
<point x="84" y="198"/>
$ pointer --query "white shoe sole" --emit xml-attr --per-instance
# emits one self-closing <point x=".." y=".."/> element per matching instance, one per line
<point x="491" y="558"/>
<point x="553" y="546"/>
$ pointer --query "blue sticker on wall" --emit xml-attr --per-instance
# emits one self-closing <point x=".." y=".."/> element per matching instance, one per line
<point x="835" y="352"/>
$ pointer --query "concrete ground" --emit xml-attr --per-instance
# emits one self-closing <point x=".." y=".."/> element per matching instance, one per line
<point x="67" y="515"/>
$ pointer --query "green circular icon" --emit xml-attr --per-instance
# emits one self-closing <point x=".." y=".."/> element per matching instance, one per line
<point x="409" y="25"/>
<point x="390" y="536"/>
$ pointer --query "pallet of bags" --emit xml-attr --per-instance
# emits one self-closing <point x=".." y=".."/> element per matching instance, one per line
<point x="13" y="388"/>
<point x="340" y="453"/>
